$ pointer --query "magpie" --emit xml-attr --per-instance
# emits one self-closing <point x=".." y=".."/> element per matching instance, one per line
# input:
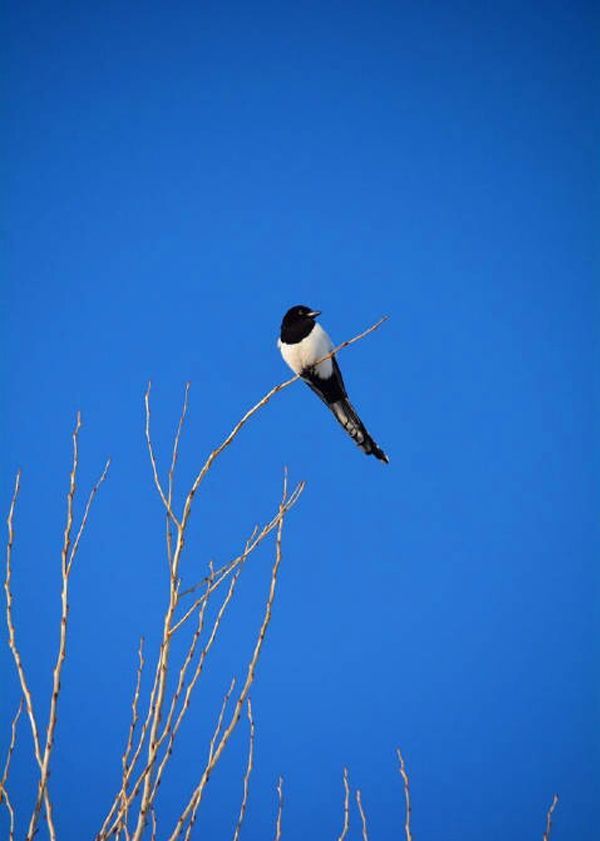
<point x="302" y="343"/>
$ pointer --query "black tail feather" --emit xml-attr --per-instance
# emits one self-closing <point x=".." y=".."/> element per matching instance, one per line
<point x="346" y="415"/>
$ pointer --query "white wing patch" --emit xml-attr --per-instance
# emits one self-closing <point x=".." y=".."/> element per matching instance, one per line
<point x="304" y="354"/>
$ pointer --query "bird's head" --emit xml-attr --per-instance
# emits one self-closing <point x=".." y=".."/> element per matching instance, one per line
<point x="298" y="315"/>
<point x="298" y="323"/>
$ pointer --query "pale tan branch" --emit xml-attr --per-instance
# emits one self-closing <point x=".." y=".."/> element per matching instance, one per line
<point x="105" y="831"/>
<point x="4" y="797"/>
<point x="346" y="825"/>
<point x="197" y="794"/>
<point x="69" y="551"/>
<point x="174" y="457"/>
<point x="153" y="820"/>
<point x="226" y="568"/>
<point x="12" y="644"/>
<point x="211" y="750"/>
<point x="150" y="446"/>
<point x="11" y="747"/>
<point x="363" y="817"/>
<point x="549" y="815"/>
<point x="131" y="732"/>
<point x="219" y="724"/>
<point x="249" y="767"/>
<point x="167" y="730"/>
<point x="279" y="809"/>
<point x="406" y="784"/>
<point x="86" y="514"/>
<point x="171" y="732"/>
<point x="255" y="541"/>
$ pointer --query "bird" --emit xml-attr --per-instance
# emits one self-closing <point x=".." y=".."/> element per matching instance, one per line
<point x="303" y="342"/>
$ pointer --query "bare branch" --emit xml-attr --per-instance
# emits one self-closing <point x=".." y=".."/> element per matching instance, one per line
<point x="3" y="792"/>
<point x="549" y="814"/>
<point x="219" y="724"/>
<point x="346" y="825"/>
<point x="86" y="514"/>
<point x="174" y="456"/>
<point x="406" y="784"/>
<point x="11" y="814"/>
<point x="130" y="734"/>
<point x="67" y="557"/>
<point x="157" y="482"/>
<point x="254" y="542"/>
<point x="363" y="817"/>
<point x="279" y="809"/>
<point x="196" y="797"/>
<point x="213" y="581"/>
<point x="249" y="767"/>
<point x="172" y="731"/>
<point x="211" y="751"/>
<point x="12" y="644"/>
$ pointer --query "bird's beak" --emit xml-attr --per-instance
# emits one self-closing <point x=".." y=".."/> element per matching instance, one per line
<point x="314" y="313"/>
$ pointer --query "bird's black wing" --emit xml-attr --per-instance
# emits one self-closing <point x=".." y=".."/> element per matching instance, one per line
<point x="329" y="389"/>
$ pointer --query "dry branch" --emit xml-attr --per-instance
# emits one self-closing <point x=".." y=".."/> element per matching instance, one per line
<point x="12" y="644"/>
<point x="68" y="554"/>
<point x="549" y="814"/>
<point x="279" y="809"/>
<point x="249" y="767"/>
<point x="198" y="792"/>
<point x="363" y="817"/>
<point x="4" y="797"/>
<point x="171" y="480"/>
<point x="406" y="785"/>
<point x="346" y="825"/>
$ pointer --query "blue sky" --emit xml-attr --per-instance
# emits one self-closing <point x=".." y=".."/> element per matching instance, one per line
<point x="177" y="176"/>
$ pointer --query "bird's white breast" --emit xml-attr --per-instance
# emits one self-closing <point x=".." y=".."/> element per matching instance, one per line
<point x="304" y="354"/>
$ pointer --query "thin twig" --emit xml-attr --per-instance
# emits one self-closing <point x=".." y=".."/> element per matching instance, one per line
<point x="279" y="809"/>
<point x="219" y="724"/>
<point x="253" y="543"/>
<point x="86" y="514"/>
<point x="549" y="814"/>
<point x="174" y="456"/>
<point x="68" y="554"/>
<point x="132" y="726"/>
<point x="11" y="747"/>
<point x="211" y="751"/>
<point x="363" y="817"/>
<point x="3" y="791"/>
<point x="213" y="583"/>
<point x="12" y="644"/>
<point x="196" y="797"/>
<point x="406" y="784"/>
<point x="157" y="482"/>
<point x="172" y="731"/>
<point x="346" y="825"/>
<point x="249" y="767"/>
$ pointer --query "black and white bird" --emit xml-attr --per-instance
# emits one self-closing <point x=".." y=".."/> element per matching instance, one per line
<point x="302" y="343"/>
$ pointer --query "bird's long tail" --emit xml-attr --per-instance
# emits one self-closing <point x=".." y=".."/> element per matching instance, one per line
<point x="346" y="415"/>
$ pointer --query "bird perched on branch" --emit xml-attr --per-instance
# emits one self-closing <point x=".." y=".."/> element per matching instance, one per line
<point x="303" y="343"/>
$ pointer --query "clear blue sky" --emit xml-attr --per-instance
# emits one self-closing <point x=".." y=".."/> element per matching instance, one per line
<point x="177" y="176"/>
